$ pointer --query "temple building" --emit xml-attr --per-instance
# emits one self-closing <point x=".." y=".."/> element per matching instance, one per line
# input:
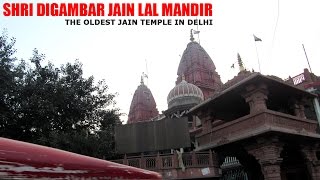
<point x="143" y="106"/>
<point x="198" y="69"/>
<point x="252" y="127"/>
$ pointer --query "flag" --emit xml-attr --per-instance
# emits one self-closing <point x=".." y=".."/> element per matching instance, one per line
<point x="144" y="75"/>
<point x="256" y="38"/>
<point x="196" y="32"/>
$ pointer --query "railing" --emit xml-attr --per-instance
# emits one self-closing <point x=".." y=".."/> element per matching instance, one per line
<point x="203" y="159"/>
<point x="187" y="159"/>
<point x="256" y="124"/>
<point x="169" y="161"/>
<point x="230" y="162"/>
<point x="151" y="162"/>
<point x="134" y="162"/>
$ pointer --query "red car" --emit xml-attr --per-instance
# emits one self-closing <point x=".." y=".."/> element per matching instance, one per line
<point x="20" y="160"/>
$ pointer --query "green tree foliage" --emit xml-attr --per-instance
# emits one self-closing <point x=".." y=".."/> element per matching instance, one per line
<point x="57" y="107"/>
<point x="7" y="82"/>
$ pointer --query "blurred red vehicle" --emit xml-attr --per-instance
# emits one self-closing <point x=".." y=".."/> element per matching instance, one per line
<point x="20" y="160"/>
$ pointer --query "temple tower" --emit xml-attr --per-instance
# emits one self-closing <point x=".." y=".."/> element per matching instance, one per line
<point x="198" y="69"/>
<point x="143" y="106"/>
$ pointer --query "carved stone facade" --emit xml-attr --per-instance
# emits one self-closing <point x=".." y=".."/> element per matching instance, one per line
<point x="199" y="69"/>
<point x="298" y="106"/>
<point x="313" y="162"/>
<point x="274" y="132"/>
<point x="267" y="152"/>
<point x="143" y="106"/>
<point x="256" y="96"/>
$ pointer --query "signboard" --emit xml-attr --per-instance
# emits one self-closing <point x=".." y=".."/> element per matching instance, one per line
<point x="152" y="136"/>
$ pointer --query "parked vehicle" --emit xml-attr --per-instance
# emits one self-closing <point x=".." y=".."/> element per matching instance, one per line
<point x="21" y="160"/>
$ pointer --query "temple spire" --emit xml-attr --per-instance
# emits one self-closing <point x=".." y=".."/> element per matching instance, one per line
<point x="191" y="35"/>
<point x="142" y="81"/>
<point x="143" y="106"/>
<point x="203" y="74"/>
<point x="241" y="67"/>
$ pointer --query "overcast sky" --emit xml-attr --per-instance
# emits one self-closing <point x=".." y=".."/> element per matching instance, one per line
<point x="119" y="53"/>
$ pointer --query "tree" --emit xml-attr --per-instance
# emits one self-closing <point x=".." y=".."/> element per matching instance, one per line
<point x="57" y="107"/>
<point x="7" y="82"/>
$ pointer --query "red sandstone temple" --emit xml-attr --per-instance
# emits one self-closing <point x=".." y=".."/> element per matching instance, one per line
<point x="253" y="127"/>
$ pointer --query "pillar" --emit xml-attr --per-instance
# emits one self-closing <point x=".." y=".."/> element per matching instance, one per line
<point x="205" y="119"/>
<point x="125" y="160"/>
<point x="256" y="96"/>
<point x="267" y="152"/>
<point x="175" y="161"/>
<point x="271" y="169"/>
<point x="313" y="163"/>
<point x="298" y="107"/>
<point x="194" y="159"/>
<point x="316" y="105"/>
<point x="317" y="109"/>
<point x="142" y="161"/>
<point x="210" y="158"/>
<point x="159" y="163"/>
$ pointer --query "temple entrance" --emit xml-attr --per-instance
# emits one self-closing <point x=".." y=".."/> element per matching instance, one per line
<point x="251" y="166"/>
<point x="239" y="165"/>
<point x="233" y="170"/>
<point x="293" y="166"/>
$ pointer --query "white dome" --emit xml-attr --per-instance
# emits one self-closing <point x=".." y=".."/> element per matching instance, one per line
<point x="184" y="90"/>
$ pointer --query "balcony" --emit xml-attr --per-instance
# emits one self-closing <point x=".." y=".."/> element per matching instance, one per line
<point x="193" y="165"/>
<point x="256" y="124"/>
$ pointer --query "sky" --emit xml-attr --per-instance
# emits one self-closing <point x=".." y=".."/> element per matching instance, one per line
<point x="119" y="54"/>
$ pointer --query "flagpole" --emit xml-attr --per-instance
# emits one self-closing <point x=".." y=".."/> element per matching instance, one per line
<point x="147" y="72"/>
<point x="307" y="58"/>
<point x="198" y="30"/>
<point x="255" y="43"/>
